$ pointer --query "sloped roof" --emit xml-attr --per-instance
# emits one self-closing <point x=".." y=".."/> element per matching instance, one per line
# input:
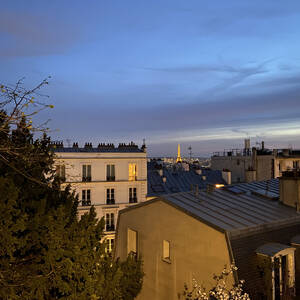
<point x="179" y="181"/>
<point x="238" y="214"/>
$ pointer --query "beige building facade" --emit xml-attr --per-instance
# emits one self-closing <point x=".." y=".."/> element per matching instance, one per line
<point x="255" y="164"/>
<point x="193" y="235"/>
<point x="107" y="177"/>
<point x="175" y="248"/>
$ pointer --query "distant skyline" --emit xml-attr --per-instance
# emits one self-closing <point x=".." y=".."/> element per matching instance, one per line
<point x="201" y="73"/>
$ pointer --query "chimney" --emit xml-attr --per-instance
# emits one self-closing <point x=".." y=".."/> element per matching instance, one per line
<point x="196" y="190"/>
<point x="247" y="144"/>
<point x="290" y="188"/>
<point x="226" y="175"/>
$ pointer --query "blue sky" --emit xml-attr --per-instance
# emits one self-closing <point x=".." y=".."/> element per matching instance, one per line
<point x="200" y="73"/>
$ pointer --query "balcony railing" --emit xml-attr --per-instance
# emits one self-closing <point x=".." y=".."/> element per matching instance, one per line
<point x="132" y="200"/>
<point x="110" y="178"/>
<point x="110" y="201"/>
<point x="110" y="227"/>
<point x="86" y="202"/>
<point x="87" y="179"/>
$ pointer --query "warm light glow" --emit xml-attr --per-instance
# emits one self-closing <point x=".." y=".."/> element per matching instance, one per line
<point x="219" y="185"/>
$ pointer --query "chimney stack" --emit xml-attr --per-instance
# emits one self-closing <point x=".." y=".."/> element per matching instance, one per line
<point x="290" y="188"/>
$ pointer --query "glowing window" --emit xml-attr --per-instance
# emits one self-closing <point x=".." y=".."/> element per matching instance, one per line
<point x="166" y="250"/>
<point x="131" y="241"/>
<point x="132" y="172"/>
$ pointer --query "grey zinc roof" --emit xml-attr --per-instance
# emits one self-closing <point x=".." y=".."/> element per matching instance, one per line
<point x="234" y="213"/>
<point x="179" y="181"/>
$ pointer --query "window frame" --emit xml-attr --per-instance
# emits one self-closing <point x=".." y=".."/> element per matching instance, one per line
<point x="86" y="173"/>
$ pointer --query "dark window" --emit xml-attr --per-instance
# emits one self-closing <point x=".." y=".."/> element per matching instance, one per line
<point x="110" y="196"/>
<point x="110" y="222"/>
<point x="110" y="173"/>
<point x="87" y="173"/>
<point x="61" y="172"/>
<point x="86" y="197"/>
<point x="238" y="162"/>
<point x="132" y="195"/>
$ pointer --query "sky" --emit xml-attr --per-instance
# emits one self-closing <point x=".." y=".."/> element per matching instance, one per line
<point x="202" y="73"/>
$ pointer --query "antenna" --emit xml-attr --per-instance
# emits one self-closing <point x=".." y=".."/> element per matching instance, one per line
<point x="190" y="151"/>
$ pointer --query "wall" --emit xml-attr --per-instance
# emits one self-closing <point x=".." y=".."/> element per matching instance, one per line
<point x="236" y="164"/>
<point x="197" y="250"/>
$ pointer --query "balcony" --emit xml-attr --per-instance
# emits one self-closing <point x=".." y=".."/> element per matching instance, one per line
<point x="110" y="178"/>
<point x="86" y="203"/>
<point x="132" y="200"/>
<point x="110" y="227"/>
<point x="86" y="179"/>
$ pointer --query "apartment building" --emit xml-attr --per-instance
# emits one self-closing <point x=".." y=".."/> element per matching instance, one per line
<point x="255" y="164"/>
<point x="109" y="178"/>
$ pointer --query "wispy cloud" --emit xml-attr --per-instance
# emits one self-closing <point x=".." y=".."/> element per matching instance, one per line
<point x="31" y="35"/>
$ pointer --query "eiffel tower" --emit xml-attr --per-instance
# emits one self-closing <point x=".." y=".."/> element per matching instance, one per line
<point x="178" y="155"/>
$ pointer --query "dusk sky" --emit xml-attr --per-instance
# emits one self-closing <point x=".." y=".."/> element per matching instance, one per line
<point x="201" y="73"/>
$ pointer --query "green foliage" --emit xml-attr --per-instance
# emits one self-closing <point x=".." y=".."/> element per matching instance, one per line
<point x="46" y="252"/>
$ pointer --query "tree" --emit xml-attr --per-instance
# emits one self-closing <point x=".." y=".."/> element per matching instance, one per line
<point x="220" y="291"/>
<point x="46" y="252"/>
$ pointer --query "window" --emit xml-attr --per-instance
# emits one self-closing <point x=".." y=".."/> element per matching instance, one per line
<point x="61" y="172"/>
<point x="131" y="242"/>
<point x="110" y="196"/>
<point x="166" y="250"/>
<point x="238" y="162"/>
<point x="132" y="195"/>
<point x="110" y="222"/>
<point x="110" y="245"/>
<point x="132" y="172"/>
<point x="86" y="173"/>
<point x="296" y="164"/>
<point x="110" y="173"/>
<point x="86" y="197"/>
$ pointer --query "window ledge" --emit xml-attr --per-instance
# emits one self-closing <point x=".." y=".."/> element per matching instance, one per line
<point x="167" y="260"/>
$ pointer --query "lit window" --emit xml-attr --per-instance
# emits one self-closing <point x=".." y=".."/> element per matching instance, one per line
<point x="110" y="245"/>
<point x="86" y="173"/>
<point x="110" y="222"/>
<point x="132" y="172"/>
<point x="86" y="197"/>
<point x="166" y="250"/>
<point x="132" y="195"/>
<point x="61" y="172"/>
<point x="131" y="242"/>
<point x="110" y="172"/>
<point x="110" y="196"/>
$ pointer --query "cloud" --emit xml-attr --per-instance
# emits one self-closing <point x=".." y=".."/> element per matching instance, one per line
<point x="31" y="35"/>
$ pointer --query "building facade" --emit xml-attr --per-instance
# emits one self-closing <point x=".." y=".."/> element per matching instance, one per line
<point x="193" y="235"/>
<point x="255" y="164"/>
<point x="109" y="178"/>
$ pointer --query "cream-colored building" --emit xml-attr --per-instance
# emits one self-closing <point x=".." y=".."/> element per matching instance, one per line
<point x="255" y="164"/>
<point x="194" y="234"/>
<point x="107" y="177"/>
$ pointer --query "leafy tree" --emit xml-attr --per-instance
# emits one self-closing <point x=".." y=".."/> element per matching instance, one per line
<point x="46" y="252"/>
<point x="220" y="291"/>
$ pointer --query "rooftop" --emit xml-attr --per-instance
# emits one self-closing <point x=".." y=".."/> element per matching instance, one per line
<point x="102" y="147"/>
<point x="237" y="209"/>
<point x="180" y="180"/>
